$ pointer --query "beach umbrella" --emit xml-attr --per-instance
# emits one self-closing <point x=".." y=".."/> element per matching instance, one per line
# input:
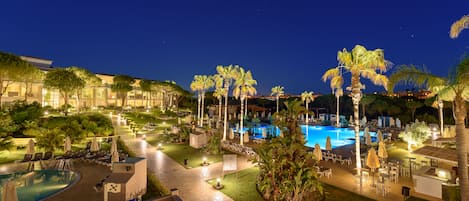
<point x="113" y="145"/>
<point x="364" y="120"/>
<point x="372" y="160"/>
<point x="351" y="120"/>
<point x="328" y="143"/>
<point x="30" y="147"/>
<point x="367" y="137"/>
<point x="9" y="191"/>
<point x="94" y="145"/>
<point x="317" y="152"/>
<point x="115" y="157"/>
<point x="246" y="137"/>
<point x="68" y="144"/>
<point x="264" y="133"/>
<point x="231" y="134"/>
<point x="382" y="153"/>
<point x="380" y="136"/>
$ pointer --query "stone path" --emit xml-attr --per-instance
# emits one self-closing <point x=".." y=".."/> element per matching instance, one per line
<point x="190" y="182"/>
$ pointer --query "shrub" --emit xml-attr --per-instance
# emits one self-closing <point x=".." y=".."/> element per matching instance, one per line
<point x="415" y="134"/>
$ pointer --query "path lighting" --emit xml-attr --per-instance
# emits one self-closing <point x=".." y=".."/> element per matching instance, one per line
<point x="144" y="136"/>
<point x="160" y="146"/>
<point x="218" y="181"/>
<point x="218" y="185"/>
<point x="46" y="112"/>
<point x="204" y="163"/>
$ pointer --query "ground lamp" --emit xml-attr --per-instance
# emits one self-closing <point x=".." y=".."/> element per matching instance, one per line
<point x="160" y="146"/>
<point x="204" y="163"/>
<point x="218" y="184"/>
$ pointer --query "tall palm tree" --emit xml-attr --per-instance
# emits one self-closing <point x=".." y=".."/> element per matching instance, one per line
<point x="458" y="26"/>
<point x="218" y="93"/>
<point x="307" y="97"/>
<point x="196" y="86"/>
<point x="360" y="62"/>
<point x="207" y="83"/>
<point x="244" y="85"/>
<point x="338" y="92"/>
<point x="454" y="88"/>
<point x="227" y="73"/>
<point x="277" y="91"/>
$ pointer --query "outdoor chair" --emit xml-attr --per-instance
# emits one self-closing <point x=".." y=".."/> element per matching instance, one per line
<point x="328" y="173"/>
<point x="37" y="157"/>
<point x="27" y="158"/>
<point x="48" y="155"/>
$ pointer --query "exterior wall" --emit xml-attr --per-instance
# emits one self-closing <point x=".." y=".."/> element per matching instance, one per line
<point x="92" y="96"/>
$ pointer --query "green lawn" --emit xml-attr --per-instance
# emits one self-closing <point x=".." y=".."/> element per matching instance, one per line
<point x="18" y="154"/>
<point x="179" y="152"/>
<point x="241" y="186"/>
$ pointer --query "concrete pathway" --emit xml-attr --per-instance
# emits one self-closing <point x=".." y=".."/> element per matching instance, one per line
<point x="190" y="182"/>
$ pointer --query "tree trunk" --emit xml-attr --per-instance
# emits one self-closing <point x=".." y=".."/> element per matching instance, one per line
<point x="225" y="120"/>
<point x="199" y="101"/>
<point x="241" y="120"/>
<point x="337" y="120"/>
<point x="459" y="111"/>
<point x="77" y="99"/>
<point x="307" y="115"/>
<point x="219" y="111"/>
<point x="202" y="110"/>
<point x="246" y="108"/>
<point x="277" y="102"/>
<point x="356" y="97"/>
<point x="440" y="111"/>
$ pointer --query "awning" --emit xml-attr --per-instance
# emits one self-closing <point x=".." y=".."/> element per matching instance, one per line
<point x="441" y="154"/>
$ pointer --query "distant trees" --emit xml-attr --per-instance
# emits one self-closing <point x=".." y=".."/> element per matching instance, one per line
<point x="90" y="80"/>
<point x="64" y="80"/>
<point x="122" y="84"/>
<point x="244" y="86"/>
<point x="228" y="73"/>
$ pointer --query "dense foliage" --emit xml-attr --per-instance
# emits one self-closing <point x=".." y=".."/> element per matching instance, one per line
<point x="286" y="171"/>
<point x="416" y="134"/>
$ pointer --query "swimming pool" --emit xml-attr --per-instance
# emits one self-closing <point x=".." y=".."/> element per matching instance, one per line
<point x="317" y="134"/>
<point x="40" y="184"/>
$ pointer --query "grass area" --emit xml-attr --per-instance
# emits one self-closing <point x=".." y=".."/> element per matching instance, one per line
<point x="247" y="180"/>
<point x="241" y="186"/>
<point x="18" y="154"/>
<point x="179" y="152"/>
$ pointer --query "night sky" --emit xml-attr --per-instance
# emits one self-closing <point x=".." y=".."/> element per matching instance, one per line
<point x="288" y="43"/>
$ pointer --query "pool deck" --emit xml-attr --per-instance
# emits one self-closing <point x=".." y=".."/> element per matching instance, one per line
<point x="90" y="175"/>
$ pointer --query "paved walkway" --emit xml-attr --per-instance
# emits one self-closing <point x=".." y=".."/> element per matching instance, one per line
<point x="190" y="182"/>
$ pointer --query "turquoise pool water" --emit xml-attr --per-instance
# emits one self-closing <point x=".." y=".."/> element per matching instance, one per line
<point x="318" y="134"/>
<point x="37" y="185"/>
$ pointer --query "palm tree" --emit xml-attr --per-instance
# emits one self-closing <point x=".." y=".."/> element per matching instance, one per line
<point x="360" y="62"/>
<point x="122" y="84"/>
<point x="458" y="26"/>
<point x="196" y="86"/>
<point x="227" y="73"/>
<point x="307" y="97"/>
<point x="207" y="83"/>
<point x="413" y="106"/>
<point x="336" y="85"/>
<point x="277" y="91"/>
<point x="454" y="88"/>
<point x="365" y="101"/>
<point x="244" y="85"/>
<point x="218" y="93"/>
<point x="146" y="86"/>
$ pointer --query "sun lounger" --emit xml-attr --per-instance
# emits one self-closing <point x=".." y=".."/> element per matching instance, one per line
<point x="37" y="157"/>
<point x="27" y="158"/>
<point x="48" y="155"/>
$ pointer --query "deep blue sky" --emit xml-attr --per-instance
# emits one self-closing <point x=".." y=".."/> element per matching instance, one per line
<point x="288" y="43"/>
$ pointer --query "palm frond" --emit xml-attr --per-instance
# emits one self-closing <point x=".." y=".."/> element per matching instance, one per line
<point x="331" y="73"/>
<point x="409" y="74"/>
<point x="458" y="26"/>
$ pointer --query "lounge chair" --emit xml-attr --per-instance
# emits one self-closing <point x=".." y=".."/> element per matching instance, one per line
<point x="27" y="158"/>
<point x="37" y="157"/>
<point x="48" y="155"/>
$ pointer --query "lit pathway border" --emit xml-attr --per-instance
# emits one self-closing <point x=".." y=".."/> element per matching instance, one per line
<point x="190" y="182"/>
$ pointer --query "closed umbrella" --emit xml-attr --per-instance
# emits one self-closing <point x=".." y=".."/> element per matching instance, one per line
<point x="328" y="144"/>
<point x="372" y="161"/>
<point x="350" y="120"/>
<point x="68" y="144"/>
<point x="231" y="134"/>
<point x="367" y="137"/>
<point x="382" y="153"/>
<point x="264" y="133"/>
<point x="380" y="136"/>
<point x="115" y="157"/>
<point x="9" y="192"/>
<point x="94" y="145"/>
<point x="317" y="152"/>
<point x="113" y="145"/>
<point x="30" y="147"/>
